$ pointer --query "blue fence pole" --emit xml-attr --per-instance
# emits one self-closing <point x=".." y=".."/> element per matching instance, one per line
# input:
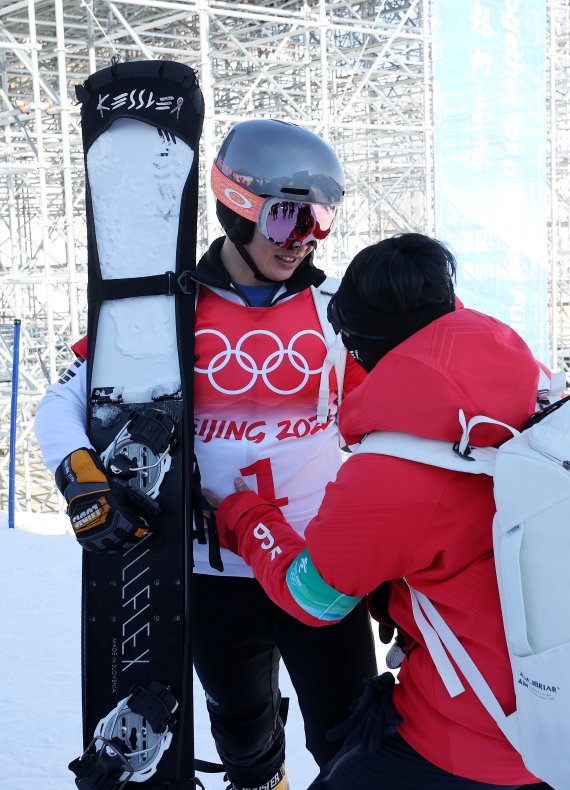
<point x="13" y="426"/>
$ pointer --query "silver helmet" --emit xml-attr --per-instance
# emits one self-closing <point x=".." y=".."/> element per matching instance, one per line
<point x="278" y="159"/>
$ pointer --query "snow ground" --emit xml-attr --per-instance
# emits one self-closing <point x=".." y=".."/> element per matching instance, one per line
<point x="40" y="699"/>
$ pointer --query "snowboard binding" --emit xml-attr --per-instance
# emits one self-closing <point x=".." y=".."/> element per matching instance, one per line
<point x="129" y="742"/>
<point x="141" y="452"/>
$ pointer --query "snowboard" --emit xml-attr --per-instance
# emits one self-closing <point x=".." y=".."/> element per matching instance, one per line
<point x="141" y="124"/>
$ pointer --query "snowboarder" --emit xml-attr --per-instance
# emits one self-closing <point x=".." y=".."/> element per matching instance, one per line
<point x="268" y="380"/>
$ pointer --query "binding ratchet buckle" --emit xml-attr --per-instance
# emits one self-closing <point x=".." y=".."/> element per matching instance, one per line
<point x="141" y="451"/>
<point x="129" y="741"/>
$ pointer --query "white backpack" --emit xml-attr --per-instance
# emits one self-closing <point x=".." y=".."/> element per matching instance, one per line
<point x="531" y="539"/>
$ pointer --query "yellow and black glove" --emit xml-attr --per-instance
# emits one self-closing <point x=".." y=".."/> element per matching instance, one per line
<point x="107" y="515"/>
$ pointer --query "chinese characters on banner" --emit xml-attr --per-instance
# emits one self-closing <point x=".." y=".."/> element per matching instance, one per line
<point x="489" y="61"/>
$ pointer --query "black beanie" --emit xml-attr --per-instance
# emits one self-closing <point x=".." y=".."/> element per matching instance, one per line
<point x="390" y="291"/>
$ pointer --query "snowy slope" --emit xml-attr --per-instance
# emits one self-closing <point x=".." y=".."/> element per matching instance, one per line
<point x="40" y="685"/>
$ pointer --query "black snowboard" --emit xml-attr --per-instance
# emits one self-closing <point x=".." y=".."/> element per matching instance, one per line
<point x="141" y="126"/>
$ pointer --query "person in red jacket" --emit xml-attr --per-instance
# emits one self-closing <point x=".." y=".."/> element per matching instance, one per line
<point x="385" y="519"/>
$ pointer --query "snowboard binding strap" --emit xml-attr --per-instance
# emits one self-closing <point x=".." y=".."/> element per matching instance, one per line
<point x="156" y="704"/>
<point x="142" y="450"/>
<point x="102" y="766"/>
<point x="129" y="741"/>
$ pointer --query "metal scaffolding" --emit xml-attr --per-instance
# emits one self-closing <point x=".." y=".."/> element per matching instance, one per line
<point x="559" y="180"/>
<point x="357" y="72"/>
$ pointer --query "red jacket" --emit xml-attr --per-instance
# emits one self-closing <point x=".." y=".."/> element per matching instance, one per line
<point x="385" y="518"/>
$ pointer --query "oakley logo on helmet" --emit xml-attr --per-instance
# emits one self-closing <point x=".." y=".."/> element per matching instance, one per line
<point x="241" y="202"/>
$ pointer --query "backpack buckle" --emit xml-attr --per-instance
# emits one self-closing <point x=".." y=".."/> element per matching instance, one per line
<point x="466" y="454"/>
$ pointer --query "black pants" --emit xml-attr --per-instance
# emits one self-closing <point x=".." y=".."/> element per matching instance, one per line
<point x="239" y="635"/>
<point x="396" y="766"/>
<point x="374" y="756"/>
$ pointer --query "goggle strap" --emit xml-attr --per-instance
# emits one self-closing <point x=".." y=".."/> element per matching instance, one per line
<point x="249" y="205"/>
<point x="235" y="196"/>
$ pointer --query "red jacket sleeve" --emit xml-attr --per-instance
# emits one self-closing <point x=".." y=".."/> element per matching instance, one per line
<point x="370" y="528"/>
<point x="80" y="348"/>
<point x="267" y="543"/>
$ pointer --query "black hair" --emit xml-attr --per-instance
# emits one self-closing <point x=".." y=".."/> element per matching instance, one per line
<point x="391" y="290"/>
<point x="400" y="275"/>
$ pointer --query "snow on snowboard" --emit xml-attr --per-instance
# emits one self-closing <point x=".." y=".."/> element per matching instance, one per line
<point x="141" y="126"/>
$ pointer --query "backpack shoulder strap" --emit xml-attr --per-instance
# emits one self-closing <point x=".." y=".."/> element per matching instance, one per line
<point x="480" y="460"/>
<point x="437" y="634"/>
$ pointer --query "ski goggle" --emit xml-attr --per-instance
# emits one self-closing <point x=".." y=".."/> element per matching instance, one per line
<point x="288" y="223"/>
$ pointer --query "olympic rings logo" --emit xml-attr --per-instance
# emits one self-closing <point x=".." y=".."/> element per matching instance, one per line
<point x="248" y="363"/>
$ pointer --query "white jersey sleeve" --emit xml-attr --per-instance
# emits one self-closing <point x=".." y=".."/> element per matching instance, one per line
<point x="61" y="416"/>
